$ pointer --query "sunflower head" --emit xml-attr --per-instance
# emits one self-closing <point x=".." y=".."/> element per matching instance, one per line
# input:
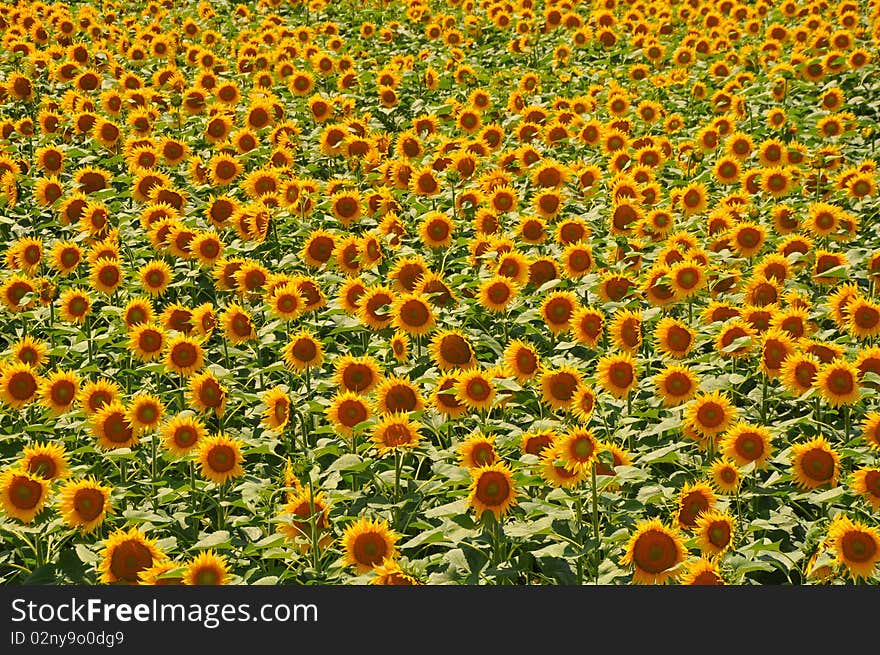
<point x="368" y="543"/>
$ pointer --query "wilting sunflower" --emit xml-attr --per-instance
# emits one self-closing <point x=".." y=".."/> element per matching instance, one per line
<point x="745" y="443"/>
<point x="395" y="431"/>
<point x="838" y="383"/>
<point x="367" y="543"/>
<point x="19" y="384"/>
<point x="856" y="546"/>
<point x="711" y="413"/>
<point x="207" y="568"/>
<point x="492" y="490"/>
<point x="617" y="374"/>
<point x="126" y="554"/>
<point x="84" y="503"/>
<point x="220" y="458"/>
<point x="45" y="460"/>
<point x="676" y="385"/>
<point x="814" y="463"/>
<point x="725" y="476"/>
<point x="22" y="494"/>
<point x="303" y="351"/>
<point x="207" y="394"/>
<point x="181" y="434"/>
<point x="477" y="450"/>
<point x="58" y="391"/>
<point x="655" y="552"/>
<point x="702" y="571"/>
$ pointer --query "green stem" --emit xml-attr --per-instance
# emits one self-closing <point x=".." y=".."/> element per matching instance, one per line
<point x="595" y="502"/>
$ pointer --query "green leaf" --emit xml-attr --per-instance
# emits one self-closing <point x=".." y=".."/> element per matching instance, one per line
<point x="219" y="539"/>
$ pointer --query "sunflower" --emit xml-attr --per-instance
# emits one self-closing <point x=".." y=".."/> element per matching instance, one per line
<point x="866" y="483"/>
<point x="577" y="449"/>
<point x="558" y="386"/>
<point x="654" y="551"/>
<point x="58" y="391"/>
<point x="477" y="450"/>
<point x="182" y="434"/>
<point x="714" y="530"/>
<point x="492" y="489"/>
<point x="207" y="568"/>
<point x="776" y="348"/>
<point x="443" y="398"/>
<point x="745" y="443"/>
<point x="814" y="463"/>
<point x="436" y="230"/>
<point x="521" y="360"/>
<point x="577" y="260"/>
<point x="96" y="395"/>
<point x="19" y="384"/>
<point x="356" y="374"/>
<point x="207" y="394"/>
<point x="137" y="311"/>
<point x="625" y="330"/>
<point x="238" y="327"/>
<point x="856" y="546"/>
<point x="84" y="504"/>
<point x="693" y="500"/>
<point x="285" y="302"/>
<point x="864" y="317"/>
<point x="557" y="310"/>
<point x="145" y="412"/>
<point x="23" y="494"/>
<point x="184" y="355"/>
<point x="106" y="276"/>
<point x="301" y="506"/>
<point x="711" y="413"/>
<point x="220" y="458"/>
<point x="724" y="475"/>
<point x="676" y="385"/>
<point x="798" y="372"/>
<point x="65" y="257"/>
<point x="390" y="573"/>
<point x="673" y="337"/>
<point x="587" y="325"/>
<point x="413" y="314"/>
<point x="303" y="351"/>
<point x="693" y="198"/>
<point x="155" y="276"/>
<point x="702" y="571"/>
<point x="146" y="341"/>
<point x="496" y="293"/>
<point x="346" y="411"/>
<point x="75" y="305"/>
<point x="375" y="305"/>
<point x="126" y="555"/>
<point x="30" y="351"/>
<point x="838" y="382"/>
<point x="368" y="543"/>
<point x="451" y="349"/>
<point x="398" y="394"/>
<point x="395" y="431"/>
<point x="475" y="389"/>
<point x="871" y="430"/>
<point x="617" y="374"/>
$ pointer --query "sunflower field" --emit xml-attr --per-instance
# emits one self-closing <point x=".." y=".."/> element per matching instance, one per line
<point x="508" y="292"/>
